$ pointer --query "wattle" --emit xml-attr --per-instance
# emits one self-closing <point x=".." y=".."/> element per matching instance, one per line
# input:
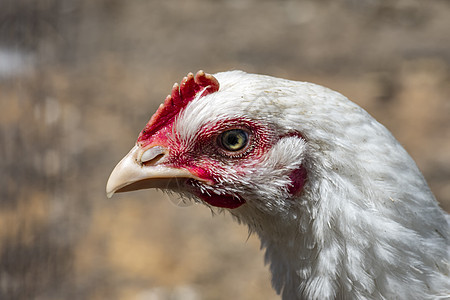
<point x="224" y="201"/>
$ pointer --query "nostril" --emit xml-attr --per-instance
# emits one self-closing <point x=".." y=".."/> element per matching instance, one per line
<point x="152" y="156"/>
<point x="153" y="161"/>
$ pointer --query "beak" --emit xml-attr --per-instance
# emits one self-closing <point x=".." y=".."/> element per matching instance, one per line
<point x="143" y="169"/>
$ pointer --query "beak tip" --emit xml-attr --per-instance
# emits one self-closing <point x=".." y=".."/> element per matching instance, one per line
<point x="109" y="194"/>
<point x="109" y="190"/>
<point x="114" y="183"/>
<point x="119" y="175"/>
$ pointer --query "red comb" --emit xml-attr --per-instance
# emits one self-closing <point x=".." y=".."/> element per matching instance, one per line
<point x="180" y="97"/>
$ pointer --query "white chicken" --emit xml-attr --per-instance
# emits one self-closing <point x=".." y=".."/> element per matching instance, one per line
<point x="340" y="207"/>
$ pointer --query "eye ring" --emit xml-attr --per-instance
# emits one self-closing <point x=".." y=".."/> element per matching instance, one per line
<point x="234" y="140"/>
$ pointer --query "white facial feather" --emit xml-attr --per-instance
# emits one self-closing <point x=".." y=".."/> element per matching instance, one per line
<point x="366" y="224"/>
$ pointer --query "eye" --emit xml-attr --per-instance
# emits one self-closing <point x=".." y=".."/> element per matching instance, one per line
<point x="234" y="139"/>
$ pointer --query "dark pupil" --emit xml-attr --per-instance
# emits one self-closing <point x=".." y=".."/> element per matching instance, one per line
<point x="234" y="140"/>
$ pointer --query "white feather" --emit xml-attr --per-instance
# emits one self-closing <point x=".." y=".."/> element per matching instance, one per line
<point x="366" y="225"/>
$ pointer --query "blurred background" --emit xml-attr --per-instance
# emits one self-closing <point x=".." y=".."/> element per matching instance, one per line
<point x="80" y="78"/>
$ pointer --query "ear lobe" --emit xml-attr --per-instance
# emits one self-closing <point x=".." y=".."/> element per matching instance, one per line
<point x="293" y="146"/>
<point x="288" y="152"/>
<point x="286" y="158"/>
<point x="298" y="179"/>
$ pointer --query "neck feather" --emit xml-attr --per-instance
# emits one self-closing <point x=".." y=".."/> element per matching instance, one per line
<point x="334" y="246"/>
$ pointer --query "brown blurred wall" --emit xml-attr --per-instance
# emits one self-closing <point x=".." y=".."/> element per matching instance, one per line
<point x="79" y="79"/>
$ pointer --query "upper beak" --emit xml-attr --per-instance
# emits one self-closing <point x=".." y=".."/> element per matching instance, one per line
<point x="142" y="169"/>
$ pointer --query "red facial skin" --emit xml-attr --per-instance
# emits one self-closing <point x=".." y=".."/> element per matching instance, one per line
<point x="205" y="158"/>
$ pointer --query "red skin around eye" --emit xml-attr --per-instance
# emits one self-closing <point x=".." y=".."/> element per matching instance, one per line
<point x="205" y="159"/>
<point x="211" y="169"/>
